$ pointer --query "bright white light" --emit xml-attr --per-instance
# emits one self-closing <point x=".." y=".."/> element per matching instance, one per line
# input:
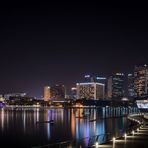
<point x="73" y="88"/>
<point x="114" y="139"/>
<point x="133" y="132"/>
<point x="137" y="129"/>
<point x="100" y="78"/>
<point x="129" y="74"/>
<point x="125" y="135"/>
<point x="87" y="76"/>
<point x="90" y="83"/>
<point x="119" y="74"/>
<point x="97" y="144"/>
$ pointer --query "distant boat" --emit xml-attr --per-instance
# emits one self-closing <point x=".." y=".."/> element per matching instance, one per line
<point x="92" y="120"/>
<point x="51" y="121"/>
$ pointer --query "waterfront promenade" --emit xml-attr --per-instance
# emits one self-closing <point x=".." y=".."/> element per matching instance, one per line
<point x="134" y="138"/>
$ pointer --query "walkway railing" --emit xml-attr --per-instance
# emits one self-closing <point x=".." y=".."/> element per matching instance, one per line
<point x="84" y="142"/>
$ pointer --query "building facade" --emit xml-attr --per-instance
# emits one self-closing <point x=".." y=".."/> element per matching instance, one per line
<point x="90" y="90"/>
<point x="141" y="81"/>
<point x="118" y="85"/>
<point x="46" y="93"/>
<point x="109" y="87"/>
<point x="130" y="85"/>
<point x="115" y="86"/>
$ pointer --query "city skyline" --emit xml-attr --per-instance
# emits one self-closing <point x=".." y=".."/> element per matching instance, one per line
<point x="48" y="44"/>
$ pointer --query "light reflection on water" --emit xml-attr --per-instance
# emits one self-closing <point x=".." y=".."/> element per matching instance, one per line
<point x="2" y="119"/>
<point x="21" y="125"/>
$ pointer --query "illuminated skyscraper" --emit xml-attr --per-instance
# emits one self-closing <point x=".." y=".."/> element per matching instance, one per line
<point x="130" y="86"/>
<point x="141" y="81"/>
<point x="109" y="87"/>
<point x="90" y="90"/>
<point x="92" y="79"/>
<point x="46" y="93"/>
<point x="118" y="85"/>
<point x="115" y="86"/>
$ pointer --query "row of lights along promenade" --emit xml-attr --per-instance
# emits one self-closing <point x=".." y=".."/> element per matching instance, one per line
<point x="135" y="136"/>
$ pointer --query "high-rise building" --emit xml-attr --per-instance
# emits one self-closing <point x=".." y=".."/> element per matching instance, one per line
<point x="96" y="79"/>
<point x="118" y="85"/>
<point x="46" y="93"/>
<point x="57" y="92"/>
<point x="141" y="81"/>
<point x="109" y="87"/>
<point x="130" y="85"/>
<point x="90" y="90"/>
<point x="115" y="86"/>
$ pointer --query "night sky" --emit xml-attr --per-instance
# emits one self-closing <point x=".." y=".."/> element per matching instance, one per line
<point x="44" y="44"/>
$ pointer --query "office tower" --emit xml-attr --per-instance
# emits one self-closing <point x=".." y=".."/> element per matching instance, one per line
<point x="118" y="85"/>
<point x="90" y="90"/>
<point x="109" y="88"/>
<point x="46" y="93"/>
<point x="141" y="81"/>
<point x="115" y="86"/>
<point x="130" y="85"/>
<point x="103" y="80"/>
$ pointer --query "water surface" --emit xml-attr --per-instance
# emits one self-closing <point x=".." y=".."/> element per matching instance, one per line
<point x="18" y="127"/>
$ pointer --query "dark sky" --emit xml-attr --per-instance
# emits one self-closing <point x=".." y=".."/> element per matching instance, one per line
<point x="43" y="44"/>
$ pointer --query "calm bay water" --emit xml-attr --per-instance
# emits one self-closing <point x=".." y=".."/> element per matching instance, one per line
<point x="18" y="128"/>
